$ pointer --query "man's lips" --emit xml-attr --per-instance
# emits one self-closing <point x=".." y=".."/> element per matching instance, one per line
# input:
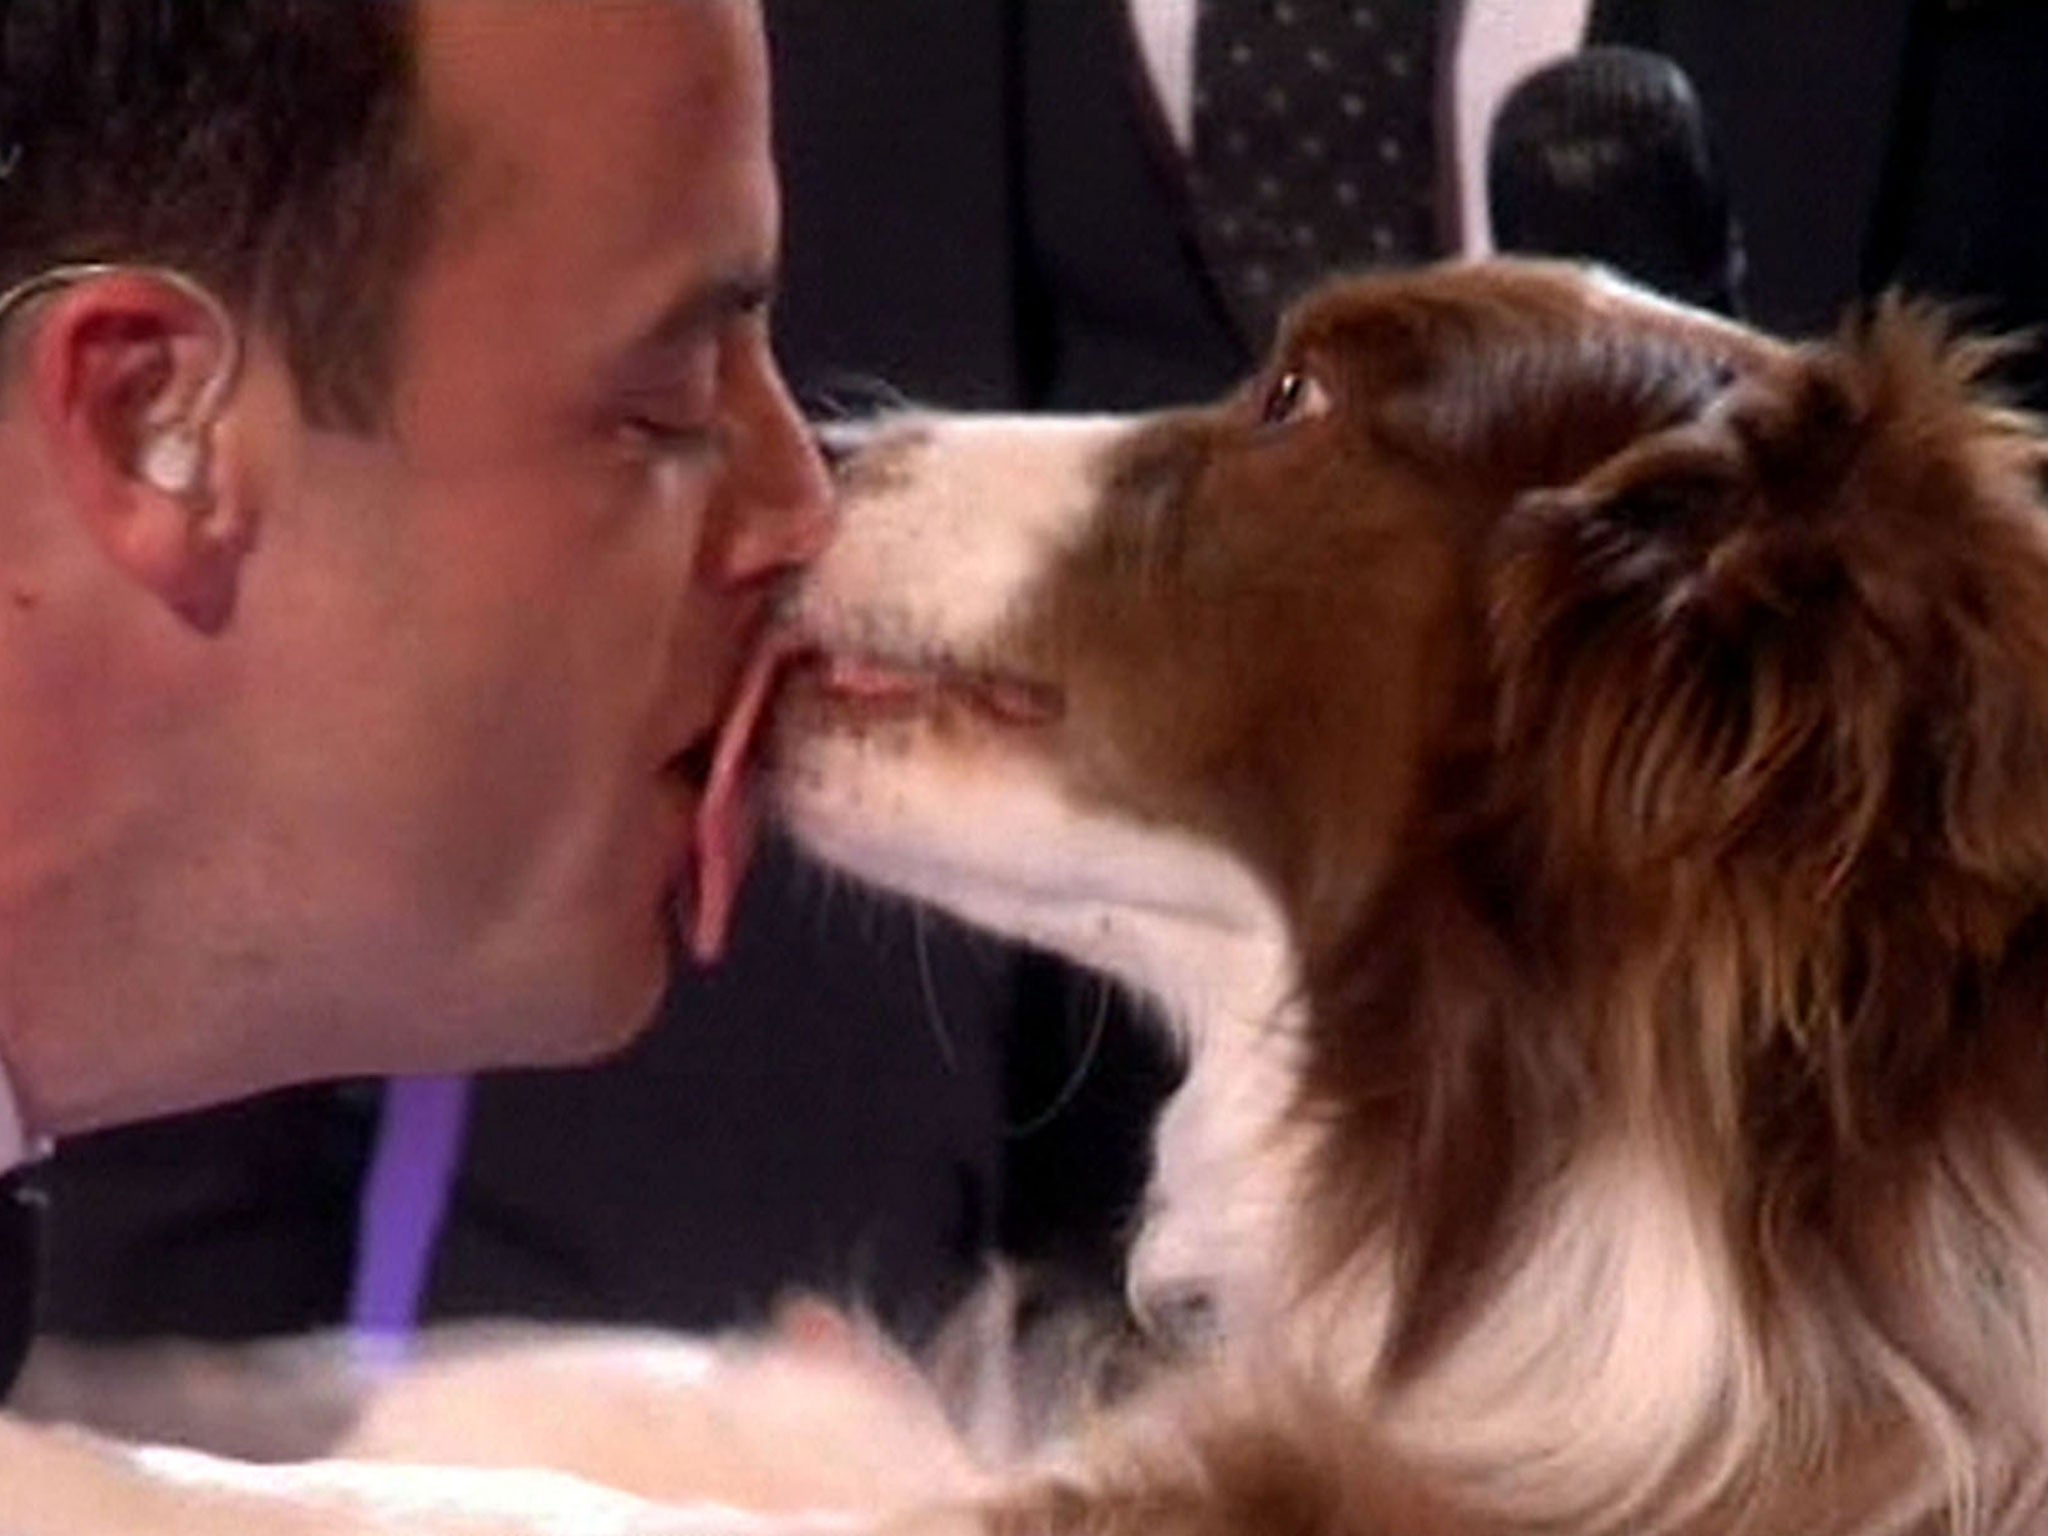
<point x="691" y="767"/>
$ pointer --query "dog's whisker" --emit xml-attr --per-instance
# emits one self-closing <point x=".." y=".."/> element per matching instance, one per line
<point x="1077" y="1077"/>
<point x="934" y="1009"/>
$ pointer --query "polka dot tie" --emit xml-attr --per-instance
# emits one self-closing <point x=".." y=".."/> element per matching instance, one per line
<point x="1314" y="143"/>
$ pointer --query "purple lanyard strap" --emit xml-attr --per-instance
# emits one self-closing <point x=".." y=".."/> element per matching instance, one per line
<point x="405" y="1199"/>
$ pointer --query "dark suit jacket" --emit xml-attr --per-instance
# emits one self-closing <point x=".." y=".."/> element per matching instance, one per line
<point x="20" y="1213"/>
<point x="984" y="208"/>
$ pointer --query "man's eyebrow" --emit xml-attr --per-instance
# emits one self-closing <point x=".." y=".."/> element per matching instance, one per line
<point x="706" y="306"/>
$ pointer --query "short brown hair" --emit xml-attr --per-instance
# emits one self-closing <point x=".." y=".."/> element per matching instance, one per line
<point x="268" y="147"/>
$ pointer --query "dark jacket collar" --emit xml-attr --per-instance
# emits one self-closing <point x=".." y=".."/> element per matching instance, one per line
<point x="20" y="1270"/>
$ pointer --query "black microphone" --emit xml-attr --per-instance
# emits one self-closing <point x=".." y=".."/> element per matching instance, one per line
<point x="1605" y="156"/>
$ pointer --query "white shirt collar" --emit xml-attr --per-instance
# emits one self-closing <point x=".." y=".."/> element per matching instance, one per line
<point x="16" y="1147"/>
<point x="1166" y="40"/>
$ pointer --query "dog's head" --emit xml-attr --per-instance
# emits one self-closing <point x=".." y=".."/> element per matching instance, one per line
<point x="1245" y="630"/>
<point x="1610" y="721"/>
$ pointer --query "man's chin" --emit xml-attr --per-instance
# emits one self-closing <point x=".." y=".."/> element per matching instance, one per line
<point x="542" y="1021"/>
<point x="620" y="1012"/>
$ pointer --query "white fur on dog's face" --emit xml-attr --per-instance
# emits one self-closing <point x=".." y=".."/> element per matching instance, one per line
<point x="949" y="525"/>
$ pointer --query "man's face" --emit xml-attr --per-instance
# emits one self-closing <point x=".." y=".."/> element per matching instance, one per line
<point x="482" y="637"/>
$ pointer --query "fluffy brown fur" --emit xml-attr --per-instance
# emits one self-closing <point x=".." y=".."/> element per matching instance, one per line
<point x="1642" y="727"/>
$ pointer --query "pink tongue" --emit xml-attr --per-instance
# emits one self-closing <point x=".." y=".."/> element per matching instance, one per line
<point x="727" y="819"/>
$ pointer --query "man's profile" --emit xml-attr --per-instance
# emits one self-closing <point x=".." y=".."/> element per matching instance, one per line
<point x="349" y="706"/>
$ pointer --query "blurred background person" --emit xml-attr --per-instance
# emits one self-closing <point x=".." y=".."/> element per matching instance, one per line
<point x="1870" y="144"/>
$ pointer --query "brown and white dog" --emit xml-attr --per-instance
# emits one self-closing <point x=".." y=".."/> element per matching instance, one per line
<point x="1577" y="771"/>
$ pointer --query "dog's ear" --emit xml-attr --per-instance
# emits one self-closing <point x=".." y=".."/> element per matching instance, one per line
<point x="1807" y="622"/>
<point x="1643" y="621"/>
<point x="1707" y="522"/>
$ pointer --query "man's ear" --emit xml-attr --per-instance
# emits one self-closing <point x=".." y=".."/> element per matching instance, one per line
<point x="128" y="373"/>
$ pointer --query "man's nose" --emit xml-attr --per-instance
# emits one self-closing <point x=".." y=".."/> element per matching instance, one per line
<point x="779" y="501"/>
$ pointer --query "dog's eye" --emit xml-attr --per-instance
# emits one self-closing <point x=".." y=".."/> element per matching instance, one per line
<point x="1295" y="396"/>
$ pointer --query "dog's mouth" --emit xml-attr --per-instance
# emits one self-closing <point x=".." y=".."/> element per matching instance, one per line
<point x="846" y="689"/>
<point x="861" y="686"/>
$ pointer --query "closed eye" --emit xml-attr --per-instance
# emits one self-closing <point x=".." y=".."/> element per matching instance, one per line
<point x="669" y="405"/>
<point x="667" y="437"/>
